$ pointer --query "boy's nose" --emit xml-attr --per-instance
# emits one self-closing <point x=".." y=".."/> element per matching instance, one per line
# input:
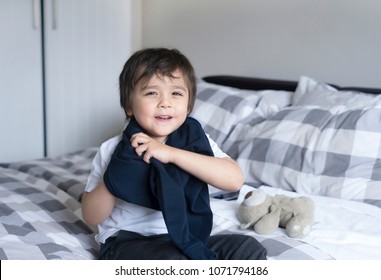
<point x="165" y="103"/>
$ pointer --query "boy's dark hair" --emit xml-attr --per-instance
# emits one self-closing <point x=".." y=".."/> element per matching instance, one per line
<point x="143" y="64"/>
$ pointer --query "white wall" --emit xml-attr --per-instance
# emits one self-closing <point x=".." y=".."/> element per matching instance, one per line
<point x="338" y="41"/>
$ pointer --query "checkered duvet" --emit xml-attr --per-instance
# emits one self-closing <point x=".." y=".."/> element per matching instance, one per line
<point x="40" y="215"/>
<point x="331" y="153"/>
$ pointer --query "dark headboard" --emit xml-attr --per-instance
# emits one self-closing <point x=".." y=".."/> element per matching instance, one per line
<point x="273" y="84"/>
<point x="251" y="83"/>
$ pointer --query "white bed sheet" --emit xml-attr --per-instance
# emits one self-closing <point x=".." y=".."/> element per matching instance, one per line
<point x="344" y="229"/>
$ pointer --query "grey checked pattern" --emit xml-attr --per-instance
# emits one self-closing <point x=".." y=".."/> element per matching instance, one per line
<point x="302" y="149"/>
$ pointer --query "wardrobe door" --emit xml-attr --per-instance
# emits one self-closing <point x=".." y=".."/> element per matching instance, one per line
<point x="21" y="105"/>
<point x="86" y="45"/>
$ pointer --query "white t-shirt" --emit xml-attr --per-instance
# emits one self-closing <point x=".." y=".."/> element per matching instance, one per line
<point x="127" y="216"/>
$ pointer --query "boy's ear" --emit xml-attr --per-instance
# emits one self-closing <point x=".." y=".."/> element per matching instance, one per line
<point x="129" y="113"/>
<point x="189" y="110"/>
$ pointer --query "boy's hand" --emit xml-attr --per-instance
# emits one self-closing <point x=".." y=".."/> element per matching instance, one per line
<point x="151" y="148"/>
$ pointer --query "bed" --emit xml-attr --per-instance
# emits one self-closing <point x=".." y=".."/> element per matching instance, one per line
<point x="302" y="137"/>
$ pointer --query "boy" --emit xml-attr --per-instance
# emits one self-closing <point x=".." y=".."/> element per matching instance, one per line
<point x="157" y="93"/>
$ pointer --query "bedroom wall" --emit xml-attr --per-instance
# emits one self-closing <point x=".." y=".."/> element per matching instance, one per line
<point x="337" y="41"/>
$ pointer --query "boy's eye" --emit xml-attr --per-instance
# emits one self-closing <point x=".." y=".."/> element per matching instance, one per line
<point x="151" y="93"/>
<point x="176" y="93"/>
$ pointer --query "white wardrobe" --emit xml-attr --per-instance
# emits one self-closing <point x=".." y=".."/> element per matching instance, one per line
<point x="59" y="67"/>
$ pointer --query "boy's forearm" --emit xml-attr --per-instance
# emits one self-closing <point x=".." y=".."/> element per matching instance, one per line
<point x="222" y="173"/>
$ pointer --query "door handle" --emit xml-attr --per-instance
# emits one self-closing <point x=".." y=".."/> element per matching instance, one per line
<point x="36" y="13"/>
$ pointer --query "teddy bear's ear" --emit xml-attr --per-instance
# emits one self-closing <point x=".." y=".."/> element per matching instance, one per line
<point x="254" y="198"/>
<point x="248" y="194"/>
<point x="245" y="226"/>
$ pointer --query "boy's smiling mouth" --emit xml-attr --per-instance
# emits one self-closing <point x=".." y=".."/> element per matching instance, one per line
<point x="163" y="117"/>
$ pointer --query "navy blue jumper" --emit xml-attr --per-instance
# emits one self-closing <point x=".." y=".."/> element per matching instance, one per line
<point x="182" y="198"/>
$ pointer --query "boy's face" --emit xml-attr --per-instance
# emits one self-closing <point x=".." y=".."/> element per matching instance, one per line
<point x="160" y="106"/>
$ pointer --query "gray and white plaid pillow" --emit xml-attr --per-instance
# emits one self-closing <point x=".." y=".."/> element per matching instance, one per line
<point x="332" y="152"/>
<point x="312" y="92"/>
<point x="220" y="108"/>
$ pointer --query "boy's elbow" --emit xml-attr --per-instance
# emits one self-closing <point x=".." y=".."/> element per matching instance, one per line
<point x="240" y="178"/>
<point x="237" y="185"/>
<point x="236" y="182"/>
<point x="237" y="178"/>
<point x="90" y="221"/>
<point x="88" y="218"/>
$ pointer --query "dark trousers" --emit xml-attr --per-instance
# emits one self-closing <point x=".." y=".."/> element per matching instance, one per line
<point x="132" y="246"/>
